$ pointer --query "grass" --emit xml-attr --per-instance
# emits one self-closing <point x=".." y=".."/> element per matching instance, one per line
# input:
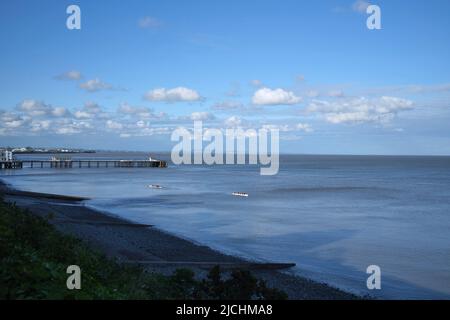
<point x="34" y="257"/>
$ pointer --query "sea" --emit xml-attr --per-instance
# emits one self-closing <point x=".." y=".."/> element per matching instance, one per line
<point x="332" y="215"/>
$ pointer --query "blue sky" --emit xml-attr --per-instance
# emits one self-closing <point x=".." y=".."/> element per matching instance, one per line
<point x="137" y="70"/>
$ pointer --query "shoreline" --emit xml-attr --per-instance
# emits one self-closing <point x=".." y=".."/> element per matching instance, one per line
<point x="154" y="249"/>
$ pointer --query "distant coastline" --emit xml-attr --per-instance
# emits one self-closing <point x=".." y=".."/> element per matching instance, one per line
<point x="53" y="152"/>
<point x="44" y="150"/>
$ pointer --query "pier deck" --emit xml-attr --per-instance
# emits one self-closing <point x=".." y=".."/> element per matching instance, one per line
<point x="19" y="164"/>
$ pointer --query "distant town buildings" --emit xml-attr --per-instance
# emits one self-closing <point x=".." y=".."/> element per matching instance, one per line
<point x="6" y="155"/>
<point x="19" y="150"/>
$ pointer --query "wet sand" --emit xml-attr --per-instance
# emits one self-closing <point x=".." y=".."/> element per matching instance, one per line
<point x="154" y="249"/>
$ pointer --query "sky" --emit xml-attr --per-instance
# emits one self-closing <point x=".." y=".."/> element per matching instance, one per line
<point x="137" y="70"/>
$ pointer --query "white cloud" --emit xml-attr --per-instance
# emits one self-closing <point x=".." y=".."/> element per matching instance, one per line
<point x="36" y="108"/>
<point x="267" y="96"/>
<point x="149" y="22"/>
<point x="70" y="75"/>
<point x="202" y="116"/>
<point x="227" y="105"/>
<point x="128" y="109"/>
<point x="92" y="107"/>
<point x="141" y="124"/>
<point x="83" y="115"/>
<point x="304" y="127"/>
<point x="154" y="131"/>
<point x="60" y="112"/>
<point x="140" y="112"/>
<point x="360" y="6"/>
<point x="70" y="126"/>
<point x="356" y="110"/>
<point x="13" y="123"/>
<point x="40" y="125"/>
<point x="66" y="130"/>
<point x="146" y="131"/>
<point x="233" y="121"/>
<point x="177" y="94"/>
<point x="94" y="85"/>
<point x="114" y="125"/>
<point x="90" y="110"/>
<point x="34" y="117"/>
<point x="279" y="127"/>
<point x="333" y="93"/>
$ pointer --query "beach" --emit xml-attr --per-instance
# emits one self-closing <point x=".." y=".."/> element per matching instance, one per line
<point x="152" y="248"/>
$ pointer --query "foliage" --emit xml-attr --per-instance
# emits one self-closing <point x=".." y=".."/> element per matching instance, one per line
<point x="34" y="257"/>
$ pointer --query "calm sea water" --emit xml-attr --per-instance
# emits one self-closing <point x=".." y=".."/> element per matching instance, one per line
<point x="332" y="215"/>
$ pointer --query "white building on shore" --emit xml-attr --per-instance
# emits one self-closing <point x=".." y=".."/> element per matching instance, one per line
<point x="6" y="155"/>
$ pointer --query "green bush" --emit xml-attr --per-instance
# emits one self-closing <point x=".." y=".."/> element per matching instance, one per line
<point x="34" y="257"/>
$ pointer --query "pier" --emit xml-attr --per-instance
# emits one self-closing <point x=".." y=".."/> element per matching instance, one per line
<point x="11" y="164"/>
<point x="93" y="163"/>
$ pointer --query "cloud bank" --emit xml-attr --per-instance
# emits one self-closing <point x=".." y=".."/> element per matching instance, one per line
<point x="358" y="110"/>
<point x="178" y="94"/>
<point x="267" y="96"/>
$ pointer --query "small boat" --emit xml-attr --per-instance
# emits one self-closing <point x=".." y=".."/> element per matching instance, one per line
<point x="154" y="186"/>
<point x="240" y="194"/>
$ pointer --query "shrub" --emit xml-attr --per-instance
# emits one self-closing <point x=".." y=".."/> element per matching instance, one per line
<point x="34" y="257"/>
